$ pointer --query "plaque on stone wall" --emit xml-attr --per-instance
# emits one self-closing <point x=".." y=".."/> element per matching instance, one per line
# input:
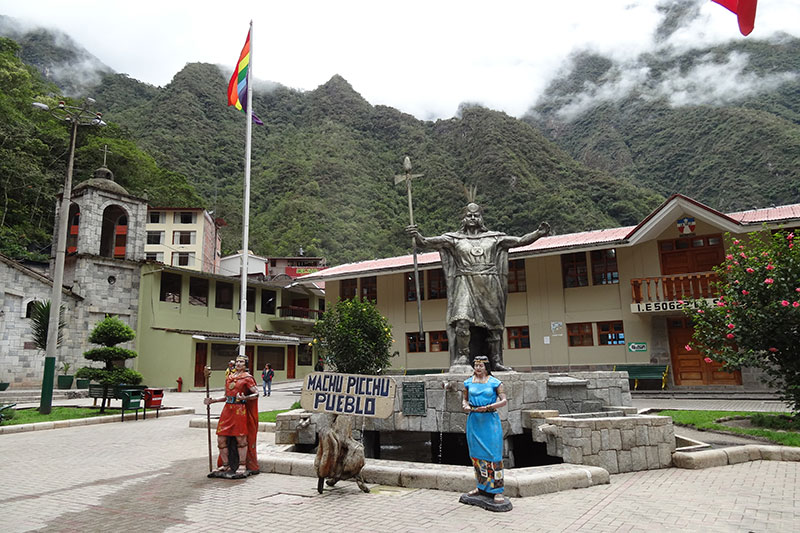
<point x="414" y="398"/>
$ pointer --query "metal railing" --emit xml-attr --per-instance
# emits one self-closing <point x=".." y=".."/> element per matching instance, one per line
<point x="293" y="311"/>
<point x="671" y="288"/>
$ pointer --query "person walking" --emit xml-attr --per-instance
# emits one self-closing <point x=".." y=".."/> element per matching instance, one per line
<point x="266" y="376"/>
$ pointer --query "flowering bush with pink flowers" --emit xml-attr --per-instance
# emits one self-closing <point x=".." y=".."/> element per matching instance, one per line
<point x="758" y="323"/>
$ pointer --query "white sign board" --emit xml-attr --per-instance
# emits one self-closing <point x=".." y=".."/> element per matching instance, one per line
<point x="348" y="394"/>
<point x="672" y="305"/>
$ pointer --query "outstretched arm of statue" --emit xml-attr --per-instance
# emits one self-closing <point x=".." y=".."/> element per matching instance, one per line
<point x="431" y="242"/>
<point x="515" y="242"/>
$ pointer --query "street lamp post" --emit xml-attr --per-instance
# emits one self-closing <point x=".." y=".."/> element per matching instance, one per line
<point x="75" y="116"/>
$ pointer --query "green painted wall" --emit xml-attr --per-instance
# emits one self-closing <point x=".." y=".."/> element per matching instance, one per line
<point x="165" y="355"/>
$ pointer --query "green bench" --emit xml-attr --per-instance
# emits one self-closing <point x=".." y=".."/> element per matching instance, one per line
<point x="422" y="371"/>
<point x="131" y="396"/>
<point x="637" y="372"/>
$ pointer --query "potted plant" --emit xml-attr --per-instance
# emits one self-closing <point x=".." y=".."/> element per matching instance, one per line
<point x="82" y="383"/>
<point x="4" y="385"/>
<point x="65" y="380"/>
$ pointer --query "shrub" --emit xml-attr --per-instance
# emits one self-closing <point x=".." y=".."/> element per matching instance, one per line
<point x="354" y="338"/>
<point x="756" y="322"/>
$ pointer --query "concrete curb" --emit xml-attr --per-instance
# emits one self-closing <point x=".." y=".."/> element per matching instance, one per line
<point x="519" y="482"/>
<point x="734" y="455"/>
<point x="58" y="424"/>
<point x="267" y="427"/>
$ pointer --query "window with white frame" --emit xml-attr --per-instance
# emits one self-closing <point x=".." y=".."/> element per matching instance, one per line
<point x="155" y="237"/>
<point x="184" y="217"/>
<point x="185" y="259"/>
<point x="184" y="237"/>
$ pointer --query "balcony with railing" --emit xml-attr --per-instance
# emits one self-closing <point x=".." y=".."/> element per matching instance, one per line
<point x="293" y="313"/>
<point x="662" y="293"/>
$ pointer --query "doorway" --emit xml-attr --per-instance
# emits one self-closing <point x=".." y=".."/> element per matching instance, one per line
<point x="291" y="353"/>
<point x="689" y="367"/>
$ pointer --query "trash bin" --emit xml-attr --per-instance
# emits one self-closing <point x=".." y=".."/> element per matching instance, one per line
<point x="131" y="400"/>
<point x="152" y="400"/>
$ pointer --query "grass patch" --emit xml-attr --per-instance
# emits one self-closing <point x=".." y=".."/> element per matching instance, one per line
<point x="708" y="420"/>
<point x="271" y="416"/>
<point x="32" y="416"/>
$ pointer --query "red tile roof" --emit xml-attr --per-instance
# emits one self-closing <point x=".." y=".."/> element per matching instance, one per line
<point x="553" y="243"/>
<point x="767" y="214"/>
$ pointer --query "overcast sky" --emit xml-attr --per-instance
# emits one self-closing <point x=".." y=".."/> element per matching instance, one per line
<point x="422" y="57"/>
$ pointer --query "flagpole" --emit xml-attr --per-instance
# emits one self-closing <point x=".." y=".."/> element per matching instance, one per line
<point x="246" y="207"/>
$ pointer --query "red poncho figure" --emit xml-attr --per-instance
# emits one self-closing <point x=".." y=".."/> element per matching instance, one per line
<point x="238" y="425"/>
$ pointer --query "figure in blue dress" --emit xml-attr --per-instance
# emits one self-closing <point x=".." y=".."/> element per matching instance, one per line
<point x="483" y="395"/>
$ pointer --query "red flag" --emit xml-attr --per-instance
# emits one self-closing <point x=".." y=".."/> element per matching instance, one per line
<point x="745" y="11"/>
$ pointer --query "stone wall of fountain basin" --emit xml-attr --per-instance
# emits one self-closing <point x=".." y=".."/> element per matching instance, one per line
<point x="610" y="440"/>
<point x="575" y="392"/>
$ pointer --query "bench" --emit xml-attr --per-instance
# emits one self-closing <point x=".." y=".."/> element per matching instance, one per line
<point x="131" y="395"/>
<point x="422" y="371"/>
<point x="637" y="372"/>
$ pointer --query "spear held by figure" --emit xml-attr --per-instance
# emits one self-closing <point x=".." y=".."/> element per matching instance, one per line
<point x="207" y="372"/>
<point x="407" y="176"/>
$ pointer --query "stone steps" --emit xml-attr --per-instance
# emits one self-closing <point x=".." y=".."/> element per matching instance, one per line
<point x="701" y="393"/>
<point x="34" y="396"/>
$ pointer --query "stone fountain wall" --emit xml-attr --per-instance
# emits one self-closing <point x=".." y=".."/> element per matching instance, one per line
<point x="574" y="392"/>
<point x="610" y="440"/>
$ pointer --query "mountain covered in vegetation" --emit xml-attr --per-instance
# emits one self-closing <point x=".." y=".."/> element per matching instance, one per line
<point x="719" y="124"/>
<point x="588" y="155"/>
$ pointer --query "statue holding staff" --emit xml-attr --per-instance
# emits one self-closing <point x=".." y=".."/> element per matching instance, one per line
<point x="475" y="264"/>
<point x="238" y="424"/>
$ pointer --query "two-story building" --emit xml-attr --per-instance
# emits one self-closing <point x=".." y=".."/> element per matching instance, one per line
<point x="188" y="320"/>
<point x="579" y="301"/>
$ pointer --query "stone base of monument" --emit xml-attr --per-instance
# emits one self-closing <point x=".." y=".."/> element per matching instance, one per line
<point x="486" y="501"/>
<point x="460" y="369"/>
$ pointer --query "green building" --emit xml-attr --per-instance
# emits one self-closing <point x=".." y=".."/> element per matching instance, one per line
<point x="189" y="320"/>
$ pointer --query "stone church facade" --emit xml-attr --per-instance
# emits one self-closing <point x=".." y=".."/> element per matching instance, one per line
<point x="105" y="250"/>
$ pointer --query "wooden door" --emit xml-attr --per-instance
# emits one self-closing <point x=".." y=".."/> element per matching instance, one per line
<point x="200" y="362"/>
<point x="291" y="353"/>
<point x="689" y="367"/>
<point x="249" y="351"/>
<point x="691" y="254"/>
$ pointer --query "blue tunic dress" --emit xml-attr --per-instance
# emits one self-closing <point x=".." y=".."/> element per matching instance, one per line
<point x="485" y="436"/>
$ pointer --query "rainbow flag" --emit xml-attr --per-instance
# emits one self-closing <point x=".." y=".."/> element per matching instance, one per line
<point x="237" y="87"/>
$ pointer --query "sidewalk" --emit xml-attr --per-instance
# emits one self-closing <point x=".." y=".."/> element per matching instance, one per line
<point x="150" y="476"/>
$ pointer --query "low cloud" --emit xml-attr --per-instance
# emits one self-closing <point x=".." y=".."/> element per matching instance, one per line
<point x="715" y="83"/>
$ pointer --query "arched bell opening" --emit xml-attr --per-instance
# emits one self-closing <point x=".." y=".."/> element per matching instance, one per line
<point x="114" y="235"/>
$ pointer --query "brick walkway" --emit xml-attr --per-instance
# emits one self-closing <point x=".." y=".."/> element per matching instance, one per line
<point x="150" y="476"/>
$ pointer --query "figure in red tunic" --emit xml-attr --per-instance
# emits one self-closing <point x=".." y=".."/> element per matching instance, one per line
<point x="238" y="424"/>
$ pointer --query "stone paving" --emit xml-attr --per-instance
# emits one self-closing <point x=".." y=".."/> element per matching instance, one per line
<point x="150" y="476"/>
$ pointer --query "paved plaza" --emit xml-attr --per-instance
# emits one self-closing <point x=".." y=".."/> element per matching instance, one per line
<point x="150" y="476"/>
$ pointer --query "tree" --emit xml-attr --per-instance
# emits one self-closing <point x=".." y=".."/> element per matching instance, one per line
<point x="756" y="322"/>
<point x="109" y="332"/>
<point x="40" y="324"/>
<point x="354" y="337"/>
